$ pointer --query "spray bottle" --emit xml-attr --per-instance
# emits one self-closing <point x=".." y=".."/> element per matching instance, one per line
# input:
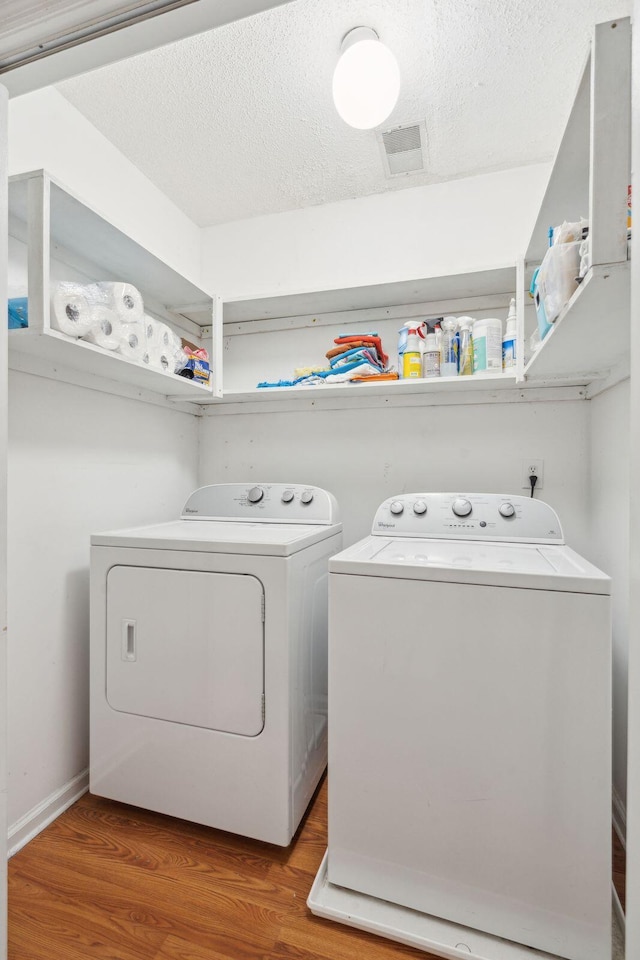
<point x="412" y="356"/>
<point x="465" y="346"/>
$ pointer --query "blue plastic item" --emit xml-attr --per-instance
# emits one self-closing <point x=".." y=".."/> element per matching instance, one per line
<point x="18" y="313"/>
<point x="543" y="324"/>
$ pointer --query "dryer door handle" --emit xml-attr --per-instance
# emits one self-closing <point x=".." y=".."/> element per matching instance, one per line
<point x="129" y="636"/>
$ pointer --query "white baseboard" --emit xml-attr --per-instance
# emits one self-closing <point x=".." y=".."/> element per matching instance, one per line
<point x="619" y="817"/>
<point x="30" y="825"/>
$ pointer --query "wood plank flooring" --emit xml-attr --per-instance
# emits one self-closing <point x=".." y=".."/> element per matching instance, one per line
<point x="112" y="882"/>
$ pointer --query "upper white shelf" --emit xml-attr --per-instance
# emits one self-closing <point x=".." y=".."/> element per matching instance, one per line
<point x="375" y="298"/>
<point x="590" y="338"/>
<point x="54" y="235"/>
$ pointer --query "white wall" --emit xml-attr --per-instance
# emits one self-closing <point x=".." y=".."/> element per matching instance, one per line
<point x="363" y="456"/>
<point x="609" y="517"/>
<point x="446" y="228"/>
<point x="79" y="462"/>
<point x="46" y="132"/>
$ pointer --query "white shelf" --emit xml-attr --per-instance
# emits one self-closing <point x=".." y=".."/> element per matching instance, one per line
<point x="392" y="389"/>
<point x="57" y="348"/>
<point x="590" y="338"/>
<point x="54" y="235"/>
<point x="374" y="298"/>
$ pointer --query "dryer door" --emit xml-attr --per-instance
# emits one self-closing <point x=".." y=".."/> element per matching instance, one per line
<point x="187" y="647"/>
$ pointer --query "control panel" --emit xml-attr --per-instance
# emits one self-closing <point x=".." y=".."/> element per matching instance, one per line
<point x="468" y="516"/>
<point x="262" y="503"/>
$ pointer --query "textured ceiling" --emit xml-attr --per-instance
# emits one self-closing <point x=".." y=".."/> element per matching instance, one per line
<point x="240" y="121"/>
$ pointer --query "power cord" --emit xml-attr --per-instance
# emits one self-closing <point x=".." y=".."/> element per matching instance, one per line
<point x="532" y="482"/>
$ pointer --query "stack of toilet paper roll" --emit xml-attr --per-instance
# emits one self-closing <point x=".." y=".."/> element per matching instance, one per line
<point x="112" y="316"/>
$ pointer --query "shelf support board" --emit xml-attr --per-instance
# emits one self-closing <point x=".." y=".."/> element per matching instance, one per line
<point x="610" y="147"/>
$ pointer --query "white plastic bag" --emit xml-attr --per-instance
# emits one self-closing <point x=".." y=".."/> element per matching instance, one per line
<point x="557" y="277"/>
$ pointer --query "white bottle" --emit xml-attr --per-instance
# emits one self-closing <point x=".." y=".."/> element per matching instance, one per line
<point x="487" y="345"/>
<point x="509" y="339"/>
<point x="449" y="348"/>
<point x="431" y="357"/>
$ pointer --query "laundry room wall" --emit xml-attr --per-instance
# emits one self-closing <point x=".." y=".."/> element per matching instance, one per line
<point x="364" y="455"/>
<point x="609" y="528"/>
<point x="47" y="133"/>
<point x="80" y="460"/>
<point x="466" y="224"/>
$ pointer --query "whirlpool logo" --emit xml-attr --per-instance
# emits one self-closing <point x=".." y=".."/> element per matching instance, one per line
<point x="387" y="526"/>
<point x="190" y="510"/>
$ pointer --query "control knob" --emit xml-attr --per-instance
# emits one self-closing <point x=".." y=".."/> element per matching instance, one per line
<point x="506" y="510"/>
<point x="255" y="495"/>
<point x="461" y="507"/>
<point x="287" y="496"/>
<point x="419" y="507"/>
<point x="397" y="507"/>
<point x="307" y="496"/>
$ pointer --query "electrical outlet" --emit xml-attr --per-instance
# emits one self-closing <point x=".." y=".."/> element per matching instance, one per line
<point x="530" y="467"/>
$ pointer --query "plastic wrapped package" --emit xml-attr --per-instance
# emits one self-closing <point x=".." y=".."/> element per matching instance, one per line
<point x="123" y="299"/>
<point x="570" y="232"/>
<point x="585" y="257"/>
<point x="163" y="347"/>
<point x="106" y="330"/>
<point x="197" y="364"/>
<point x="132" y="341"/>
<point x="72" y="312"/>
<point x="557" y="277"/>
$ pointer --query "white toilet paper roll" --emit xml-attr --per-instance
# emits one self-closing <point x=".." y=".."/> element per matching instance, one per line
<point x="152" y="333"/>
<point x="71" y="313"/>
<point x="132" y="341"/>
<point x="171" y="342"/>
<point x="160" y="360"/>
<point x="124" y="299"/>
<point x="106" y="331"/>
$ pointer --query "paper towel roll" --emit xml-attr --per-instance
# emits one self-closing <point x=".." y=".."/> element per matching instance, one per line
<point x="71" y="313"/>
<point x="106" y="331"/>
<point x="132" y="341"/>
<point x="123" y="298"/>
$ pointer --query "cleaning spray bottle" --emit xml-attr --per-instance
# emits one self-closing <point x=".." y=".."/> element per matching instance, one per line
<point x="509" y="339"/>
<point x="412" y="357"/>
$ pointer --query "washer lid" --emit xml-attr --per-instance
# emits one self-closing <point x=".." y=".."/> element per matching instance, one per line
<point x="220" y="536"/>
<point x="532" y="566"/>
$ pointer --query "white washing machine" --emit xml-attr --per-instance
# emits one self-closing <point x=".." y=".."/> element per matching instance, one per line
<point x="469" y="733"/>
<point x="208" y="658"/>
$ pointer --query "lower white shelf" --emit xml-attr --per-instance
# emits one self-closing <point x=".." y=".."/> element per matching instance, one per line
<point x="80" y="355"/>
<point x="386" y="388"/>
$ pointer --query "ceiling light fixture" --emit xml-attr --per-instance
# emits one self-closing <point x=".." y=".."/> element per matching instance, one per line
<point x="366" y="81"/>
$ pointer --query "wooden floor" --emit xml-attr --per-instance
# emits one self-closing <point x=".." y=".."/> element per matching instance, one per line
<point x="110" y="881"/>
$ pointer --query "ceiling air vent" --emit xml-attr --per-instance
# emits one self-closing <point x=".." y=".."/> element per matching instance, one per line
<point x="403" y="149"/>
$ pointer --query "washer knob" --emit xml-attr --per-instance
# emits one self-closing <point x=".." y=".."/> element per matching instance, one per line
<point x="419" y="507"/>
<point x="507" y="510"/>
<point x="397" y="507"/>
<point x="255" y="495"/>
<point x="287" y="496"/>
<point x="461" y="507"/>
<point x="307" y="496"/>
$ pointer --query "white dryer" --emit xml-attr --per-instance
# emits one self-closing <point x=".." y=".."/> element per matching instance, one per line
<point x="208" y="658"/>
<point x="469" y="733"/>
